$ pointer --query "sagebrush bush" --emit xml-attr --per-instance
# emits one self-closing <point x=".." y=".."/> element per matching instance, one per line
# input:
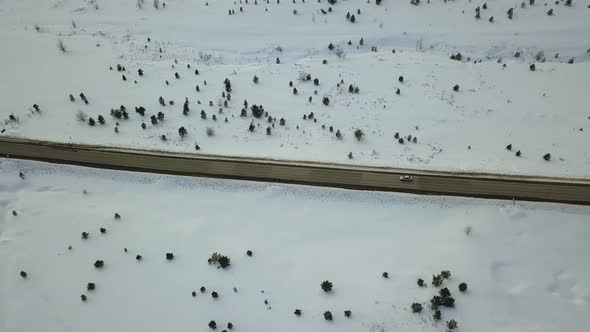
<point x="327" y="286"/>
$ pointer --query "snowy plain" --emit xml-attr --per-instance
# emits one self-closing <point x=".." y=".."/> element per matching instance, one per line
<point x="538" y="112"/>
<point x="525" y="264"/>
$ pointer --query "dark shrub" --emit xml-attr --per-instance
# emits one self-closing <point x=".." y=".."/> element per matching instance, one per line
<point x="169" y="256"/>
<point x="358" y="134"/>
<point x="437" y="280"/>
<point x="416" y="307"/>
<point x="463" y="287"/>
<point x="328" y="315"/>
<point x="347" y="313"/>
<point x="452" y="324"/>
<point x="327" y="286"/>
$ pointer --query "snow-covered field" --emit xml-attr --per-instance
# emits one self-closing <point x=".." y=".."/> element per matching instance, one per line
<point x="525" y="264"/>
<point x="538" y="112"/>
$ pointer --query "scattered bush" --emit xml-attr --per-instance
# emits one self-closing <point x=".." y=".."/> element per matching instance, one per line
<point x="61" y="46"/>
<point x="456" y="87"/>
<point x="416" y="307"/>
<point x="445" y="274"/>
<point x="217" y="258"/>
<point x="421" y="283"/>
<point x="169" y="256"/>
<point x="99" y="264"/>
<point x="444" y="292"/>
<point x="83" y="298"/>
<point x="347" y="313"/>
<point x="214" y="295"/>
<point x="251" y="127"/>
<point x="328" y="316"/>
<point x="463" y="287"/>
<point x="138" y="257"/>
<point x="547" y="156"/>
<point x="268" y="131"/>
<point x="212" y="325"/>
<point x="358" y="134"/>
<point x="249" y="253"/>
<point x="326" y="286"/>
<point x="182" y="132"/>
<point x="103" y="230"/>
<point x="140" y="110"/>
<point x="255" y="79"/>
<point x="452" y="324"/>
<point x="437" y="315"/>
<point x="437" y="280"/>
<point x="80" y="116"/>
<point x="518" y="153"/>
<point x="91" y="122"/>
<point x="297" y="312"/>
<point x="101" y="119"/>
<point x="227" y="84"/>
<point x="326" y="101"/>
<point x="91" y="286"/>
<point x="23" y="274"/>
<point x="257" y="111"/>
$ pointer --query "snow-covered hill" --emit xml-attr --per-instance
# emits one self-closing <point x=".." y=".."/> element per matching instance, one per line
<point x="500" y="101"/>
<point x="524" y="263"/>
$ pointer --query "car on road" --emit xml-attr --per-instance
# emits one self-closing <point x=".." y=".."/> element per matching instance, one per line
<point x="406" y="178"/>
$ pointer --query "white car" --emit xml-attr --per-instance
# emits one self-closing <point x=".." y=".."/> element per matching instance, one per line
<point x="406" y="178"/>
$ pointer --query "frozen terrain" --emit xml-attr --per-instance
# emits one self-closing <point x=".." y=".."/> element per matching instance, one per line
<point x="537" y="112"/>
<point x="524" y="263"/>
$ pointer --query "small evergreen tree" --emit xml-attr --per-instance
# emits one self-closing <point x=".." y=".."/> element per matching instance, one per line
<point x="416" y="307"/>
<point x="358" y="134"/>
<point x="326" y="101"/>
<point x="327" y="286"/>
<point x="101" y="119"/>
<point x="182" y="132"/>
<point x="463" y="287"/>
<point x="161" y="101"/>
<point x="91" y="122"/>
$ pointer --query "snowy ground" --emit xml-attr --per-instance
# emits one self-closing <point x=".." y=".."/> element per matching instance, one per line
<point x="523" y="263"/>
<point x="538" y="112"/>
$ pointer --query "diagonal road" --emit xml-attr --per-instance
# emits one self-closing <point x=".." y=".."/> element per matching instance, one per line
<point x="563" y="190"/>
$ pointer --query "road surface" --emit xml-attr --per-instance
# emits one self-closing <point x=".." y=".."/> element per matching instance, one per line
<point x="575" y="191"/>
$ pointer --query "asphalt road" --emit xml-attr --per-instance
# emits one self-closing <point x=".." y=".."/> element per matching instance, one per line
<point x="575" y="191"/>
